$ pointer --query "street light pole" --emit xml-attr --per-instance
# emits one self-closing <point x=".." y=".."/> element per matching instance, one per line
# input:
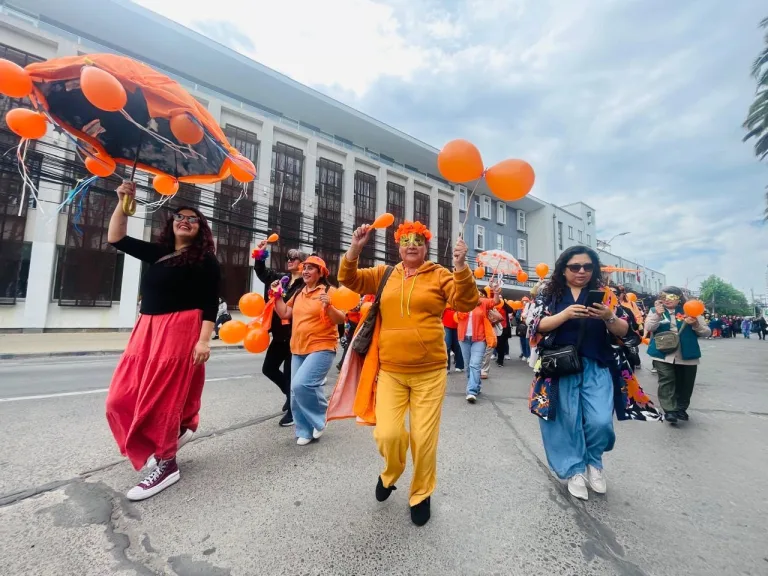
<point x="612" y="239"/>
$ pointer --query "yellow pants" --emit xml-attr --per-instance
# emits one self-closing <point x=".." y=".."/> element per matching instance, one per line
<point x="423" y="394"/>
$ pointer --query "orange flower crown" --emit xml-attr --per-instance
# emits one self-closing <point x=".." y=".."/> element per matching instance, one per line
<point x="412" y="228"/>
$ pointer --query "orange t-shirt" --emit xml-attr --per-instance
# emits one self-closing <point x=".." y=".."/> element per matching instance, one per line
<point x="313" y="331"/>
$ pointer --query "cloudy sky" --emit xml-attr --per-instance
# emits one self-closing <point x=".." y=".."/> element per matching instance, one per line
<point x="634" y="106"/>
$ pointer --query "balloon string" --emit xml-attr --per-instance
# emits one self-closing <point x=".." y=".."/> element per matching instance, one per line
<point x="469" y="205"/>
<point x="157" y="136"/>
<point x="243" y="194"/>
<point x="21" y="157"/>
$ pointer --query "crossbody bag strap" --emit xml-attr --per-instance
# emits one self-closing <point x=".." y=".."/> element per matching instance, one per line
<point x="383" y="283"/>
<point x="169" y="256"/>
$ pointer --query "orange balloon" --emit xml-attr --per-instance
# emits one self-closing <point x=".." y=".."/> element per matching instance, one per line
<point x="256" y="341"/>
<point x="165" y="185"/>
<point x="252" y="304"/>
<point x="522" y="276"/>
<point x="460" y="161"/>
<point x="241" y="168"/>
<point x="185" y="129"/>
<point x="255" y="323"/>
<point x="518" y="305"/>
<point x="384" y="221"/>
<point x="273" y="238"/>
<point x="510" y="180"/>
<point x="479" y="273"/>
<point x="102" y="89"/>
<point x="632" y="297"/>
<point x="99" y="165"/>
<point x="233" y="331"/>
<point x="26" y="123"/>
<point x="14" y="80"/>
<point x="646" y="340"/>
<point x="694" y="308"/>
<point x="542" y="270"/>
<point x="344" y="298"/>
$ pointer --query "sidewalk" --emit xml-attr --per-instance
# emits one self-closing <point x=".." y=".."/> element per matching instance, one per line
<point x="69" y="344"/>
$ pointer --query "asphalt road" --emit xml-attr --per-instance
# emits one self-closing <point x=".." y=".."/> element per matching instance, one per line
<point x="684" y="500"/>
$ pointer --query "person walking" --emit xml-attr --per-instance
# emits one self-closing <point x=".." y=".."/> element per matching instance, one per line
<point x="746" y="327"/>
<point x="521" y="331"/>
<point x="502" y="341"/>
<point x="222" y="316"/>
<point x="153" y="402"/>
<point x="476" y="336"/>
<point x="410" y="353"/>
<point x="452" y="344"/>
<point x="675" y="365"/>
<point x="313" y="347"/>
<point x="277" y="361"/>
<point x="762" y="327"/>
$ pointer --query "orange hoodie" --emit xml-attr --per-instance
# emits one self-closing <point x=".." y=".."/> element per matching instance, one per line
<point x="412" y="338"/>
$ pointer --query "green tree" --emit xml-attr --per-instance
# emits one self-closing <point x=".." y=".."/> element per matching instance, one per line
<point x="756" y="123"/>
<point x="721" y="296"/>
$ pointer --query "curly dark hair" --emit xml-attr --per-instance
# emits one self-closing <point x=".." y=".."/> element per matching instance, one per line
<point x="556" y="285"/>
<point x="201" y="246"/>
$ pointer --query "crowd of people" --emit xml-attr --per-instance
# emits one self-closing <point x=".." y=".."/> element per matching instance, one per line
<point x="732" y="326"/>
<point x="579" y="335"/>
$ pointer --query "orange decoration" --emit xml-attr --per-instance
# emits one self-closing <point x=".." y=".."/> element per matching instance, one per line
<point x="165" y="185"/>
<point x="100" y="165"/>
<point x="694" y="308"/>
<point x="344" y="299"/>
<point x="26" y="123"/>
<point x="273" y="238"/>
<point x="185" y="129"/>
<point x="632" y="297"/>
<point x="646" y="341"/>
<point x="510" y="180"/>
<point x="256" y="341"/>
<point x="542" y="270"/>
<point x="241" y="168"/>
<point x="252" y="304"/>
<point x="384" y="221"/>
<point x="517" y="305"/>
<point x="479" y="273"/>
<point x="409" y="227"/>
<point x="14" y="80"/>
<point x="102" y="89"/>
<point x="255" y="323"/>
<point x="365" y="308"/>
<point x="233" y="331"/>
<point x="522" y="276"/>
<point x="460" y="161"/>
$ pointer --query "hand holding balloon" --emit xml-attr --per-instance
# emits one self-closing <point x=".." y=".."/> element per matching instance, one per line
<point x="126" y="194"/>
<point x="360" y="238"/>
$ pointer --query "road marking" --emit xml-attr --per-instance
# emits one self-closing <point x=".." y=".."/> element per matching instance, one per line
<point x="103" y="390"/>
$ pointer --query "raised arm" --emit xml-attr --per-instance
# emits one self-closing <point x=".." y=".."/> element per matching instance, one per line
<point x="364" y="281"/>
<point x="118" y="224"/>
<point x="459" y="288"/>
<point x="266" y="275"/>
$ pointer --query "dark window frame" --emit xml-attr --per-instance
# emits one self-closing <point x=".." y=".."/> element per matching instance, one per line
<point x="329" y="183"/>
<point x="444" y="233"/>
<point x="365" y="212"/>
<point x="421" y="207"/>
<point x="396" y="206"/>
<point x="285" y="216"/>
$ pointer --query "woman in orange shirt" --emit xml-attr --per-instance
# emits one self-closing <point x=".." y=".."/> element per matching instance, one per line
<point x="313" y="347"/>
<point x="473" y="341"/>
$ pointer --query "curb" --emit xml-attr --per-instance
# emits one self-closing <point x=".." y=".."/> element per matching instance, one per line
<point x="76" y="354"/>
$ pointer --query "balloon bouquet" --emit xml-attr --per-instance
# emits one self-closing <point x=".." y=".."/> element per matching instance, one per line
<point x="116" y="110"/>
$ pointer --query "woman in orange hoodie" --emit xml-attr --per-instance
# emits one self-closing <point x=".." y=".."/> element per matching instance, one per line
<point x="473" y="338"/>
<point x="412" y="354"/>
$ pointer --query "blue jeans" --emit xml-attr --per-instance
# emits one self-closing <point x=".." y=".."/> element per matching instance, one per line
<point x="583" y="426"/>
<point x="525" y="347"/>
<point x="452" y="345"/>
<point x="308" y="403"/>
<point x="473" y="358"/>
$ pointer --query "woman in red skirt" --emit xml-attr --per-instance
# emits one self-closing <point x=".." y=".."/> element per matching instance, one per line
<point x="154" y="398"/>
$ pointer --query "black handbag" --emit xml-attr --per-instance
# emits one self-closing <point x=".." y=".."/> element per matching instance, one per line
<point x="364" y="335"/>
<point x="565" y="360"/>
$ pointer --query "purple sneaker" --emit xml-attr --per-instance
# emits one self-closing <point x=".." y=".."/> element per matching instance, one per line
<point x="165" y="474"/>
<point x="184" y="436"/>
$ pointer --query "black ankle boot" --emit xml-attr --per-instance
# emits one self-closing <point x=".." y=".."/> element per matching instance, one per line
<point x="381" y="492"/>
<point x="420" y="513"/>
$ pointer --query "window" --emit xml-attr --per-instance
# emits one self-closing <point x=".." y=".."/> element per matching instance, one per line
<point x="501" y="213"/>
<point x="486" y="205"/>
<point x="365" y="212"/>
<point x="589" y="218"/>
<point x="329" y="177"/>
<point x="570" y="232"/>
<point x="521" y="221"/>
<point x="287" y="178"/>
<point x="396" y="207"/>
<point x="479" y="238"/>
<point x="477" y="207"/>
<point x="463" y="200"/>
<point x="14" y="270"/>
<point x="581" y="236"/>
<point x="522" y="249"/>
<point x="444" y="232"/>
<point x="421" y="208"/>
<point x="589" y="240"/>
<point x="499" y="242"/>
<point x="560" y="235"/>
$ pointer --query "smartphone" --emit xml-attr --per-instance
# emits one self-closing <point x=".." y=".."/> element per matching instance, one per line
<point x="595" y="297"/>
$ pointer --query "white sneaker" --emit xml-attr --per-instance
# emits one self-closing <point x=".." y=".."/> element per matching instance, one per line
<point x="185" y="437"/>
<point x="577" y="486"/>
<point x="458" y="370"/>
<point x="325" y="381"/>
<point x="471" y="398"/>
<point x="483" y="375"/>
<point x="507" y="357"/>
<point x="303" y="441"/>
<point x="316" y="434"/>
<point x="596" y="479"/>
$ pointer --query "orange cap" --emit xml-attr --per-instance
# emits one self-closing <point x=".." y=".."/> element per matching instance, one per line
<point x="317" y="261"/>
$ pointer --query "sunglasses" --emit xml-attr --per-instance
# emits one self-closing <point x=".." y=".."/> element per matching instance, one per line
<point x="671" y="297"/>
<point x="190" y="219"/>
<point x="412" y="240"/>
<point x="576" y="268"/>
<point x="292" y="258"/>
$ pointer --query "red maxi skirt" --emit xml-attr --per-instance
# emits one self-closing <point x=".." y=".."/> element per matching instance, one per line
<point x="156" y="388"/>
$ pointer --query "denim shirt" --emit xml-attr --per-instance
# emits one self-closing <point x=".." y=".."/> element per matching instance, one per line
<point x="594" y="344"/>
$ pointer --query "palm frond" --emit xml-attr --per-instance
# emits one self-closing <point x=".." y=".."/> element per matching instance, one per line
<point x="764" y="22"/>
<point x="759" y="62"/>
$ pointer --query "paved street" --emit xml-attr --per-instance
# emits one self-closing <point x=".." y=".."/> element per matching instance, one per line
<point x="681" y="501"/>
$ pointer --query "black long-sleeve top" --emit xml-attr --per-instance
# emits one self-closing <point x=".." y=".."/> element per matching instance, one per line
<point x="166" y="288"/>
<point x="281" y="330"/>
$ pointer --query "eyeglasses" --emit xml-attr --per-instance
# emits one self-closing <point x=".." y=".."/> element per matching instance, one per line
<point x="576" y="268"/>
<point x="182" y="217"/>
<point x="412" y="239"/>
<point x="671" y="297"/>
